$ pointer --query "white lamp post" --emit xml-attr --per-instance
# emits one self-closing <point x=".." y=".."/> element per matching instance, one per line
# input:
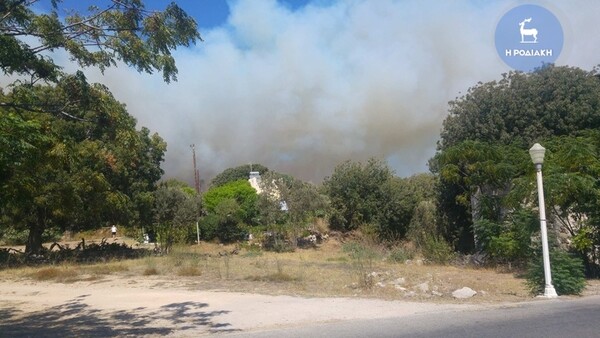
<point x="537" y="156"/>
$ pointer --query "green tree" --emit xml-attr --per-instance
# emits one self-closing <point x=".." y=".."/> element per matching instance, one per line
<point x="356" y="193"/>
<point x="176" y="211"/>
<point x="487" y="132"/>
<point x="77" y="172"/>
<point x="475" y="176"/>
<point x="76" y="158"/>
<point x="230" y="208"/>
<point x="120" y="30"/>
<point x="289" y="206"/>
<point x="369" y="194"/>
<point x="523" y="108"/>
<point x="241" y="172"/>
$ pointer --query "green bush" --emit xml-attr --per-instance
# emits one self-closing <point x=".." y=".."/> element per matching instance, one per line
<point x="567" y="274"/>
<point x="13" y="236"/>
<point x="400" y="254"/>
<point x="437" y="251"/>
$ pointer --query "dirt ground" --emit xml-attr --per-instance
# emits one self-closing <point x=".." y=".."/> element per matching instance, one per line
<point x="199" y="291"/>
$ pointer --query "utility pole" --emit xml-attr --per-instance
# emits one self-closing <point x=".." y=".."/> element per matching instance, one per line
<point x="196" y="171"/>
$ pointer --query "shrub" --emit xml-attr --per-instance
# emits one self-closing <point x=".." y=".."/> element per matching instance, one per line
<point x="437" y="251"/>
<point x="401" y="254"/>
<point x="567" y="274"/>
<point x="363" y="256"/>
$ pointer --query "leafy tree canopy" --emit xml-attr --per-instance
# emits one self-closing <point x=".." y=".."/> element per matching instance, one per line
<point x="239" y="190"/>
<point x="241" y="172"/>
<point x="523" y="108"/>
<point x="482" y="154"/>
<point x="75" y="172"/>
<point x="369" y="194"/>
<point x="121" y="30"/>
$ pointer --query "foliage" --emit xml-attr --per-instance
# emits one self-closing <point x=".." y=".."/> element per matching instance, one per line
<point x="118" y="31"/>
<point x="303" y="203"/>
<point x="74" y="158"/>
<point x="88" y="170"/>
<point x="176" y="211"/>
<point x="355" y="193"/>
<point x="482" y="153"/>
<point x="437" y="251"/>
<point x="230" y="209"/>
<point x="241" y="191"/>
<point x="509" y="241"/>
<point x="523" y="108"/>
<point x="401" y="254"/>
<point x="566" y="270"/>
<point x="363" y="256"/>
<point x="82" y="253"/>
<point x="231" y="226"/>
<point x="241" y="172"/>
<point x="423" y="223"/>
<point x="370" y="194"/>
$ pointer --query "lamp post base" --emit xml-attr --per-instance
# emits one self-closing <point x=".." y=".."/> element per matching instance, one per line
<point x="549" y="292"/>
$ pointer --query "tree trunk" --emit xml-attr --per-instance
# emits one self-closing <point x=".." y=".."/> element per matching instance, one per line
<point x="34" y="239"/>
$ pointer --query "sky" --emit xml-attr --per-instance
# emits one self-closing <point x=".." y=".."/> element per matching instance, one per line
<point x="302" y="85"/>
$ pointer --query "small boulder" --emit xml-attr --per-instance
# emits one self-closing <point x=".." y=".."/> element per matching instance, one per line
<point x="423" y="287"/>
<point x="464" y="293"/>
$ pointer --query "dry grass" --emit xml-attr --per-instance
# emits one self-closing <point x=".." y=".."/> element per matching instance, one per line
<point x="324" y="272"/>
<point x="64" y="274"/>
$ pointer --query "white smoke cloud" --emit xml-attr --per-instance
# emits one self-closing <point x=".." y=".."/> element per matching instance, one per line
<point x="301" y="91"/>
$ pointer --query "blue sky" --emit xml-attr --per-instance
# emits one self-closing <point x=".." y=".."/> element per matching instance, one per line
<point x="303" y="85"/>
<point x="208" y="13"/>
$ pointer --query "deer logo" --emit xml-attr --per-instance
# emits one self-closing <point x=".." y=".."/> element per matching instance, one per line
<point x="527" y="32"/>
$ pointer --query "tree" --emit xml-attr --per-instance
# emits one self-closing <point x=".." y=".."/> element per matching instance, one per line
<point x="483" y="143"/>
<point x="230" y="208"/>
<point x="121" y="30"/>
<point x="356" y="193"/>
<point x="76" y="173"/>
<point x="176" y="210"/>
<point x="369" y="194"/>
<point x="76" y="158"/>
<point x="288" y="206"/>
<point x="241" y="172"/>
<point x="475" y="176"/>
<point x="523" y="108"/>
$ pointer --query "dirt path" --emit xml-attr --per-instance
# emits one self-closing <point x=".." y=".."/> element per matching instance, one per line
<point x="118" y="307"/>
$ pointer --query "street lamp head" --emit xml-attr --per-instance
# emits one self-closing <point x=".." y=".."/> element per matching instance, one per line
<point x="537" y="154"/>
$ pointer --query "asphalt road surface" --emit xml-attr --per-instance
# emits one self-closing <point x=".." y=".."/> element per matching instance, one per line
<point x="579" y="317"/>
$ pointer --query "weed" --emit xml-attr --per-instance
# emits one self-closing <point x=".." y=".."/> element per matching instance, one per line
<point x="107" y="269"/>
<point x="62" y="275"/>
<point x="363" y="256"/>
<point x="150" y="272"/>
<point x="400" y="254"/>
<point x="189" y="271"/>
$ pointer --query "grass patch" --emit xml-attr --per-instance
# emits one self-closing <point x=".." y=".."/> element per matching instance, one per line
<point x="274" y="277"/>
<point x="150" y="271"/>
<point x="189" y="271"/>
<point x="61" y="275"/>
<point x="108" y="269"/>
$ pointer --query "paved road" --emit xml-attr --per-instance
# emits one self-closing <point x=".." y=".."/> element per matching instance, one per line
<point x="544" y="318"/>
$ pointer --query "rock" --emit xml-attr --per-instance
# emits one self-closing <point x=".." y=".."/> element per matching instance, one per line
<point x="398" y="287"/>
<point x="423" y="287"/>
<point x="435" y="293"/>
<point x="380" y="284"/>
<point x="464" y="293"/>
<point x="410" y="294"/>
<point x="398" y="281"/>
